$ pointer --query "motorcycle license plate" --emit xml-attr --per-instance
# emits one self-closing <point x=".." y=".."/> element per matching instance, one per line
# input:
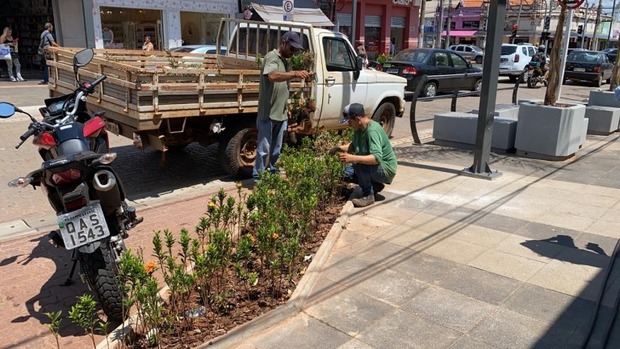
<point x="83" y="226"/>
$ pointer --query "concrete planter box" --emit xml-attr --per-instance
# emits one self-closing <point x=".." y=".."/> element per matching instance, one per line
<point x="603" y="120"/>
<point x="458" y="130"/>
<point x="603" y="99"/>
<point x="552" y="133"/>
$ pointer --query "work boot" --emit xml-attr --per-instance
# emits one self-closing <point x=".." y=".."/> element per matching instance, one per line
<point x="364" y="201"/>
<point x="377" y="187"/>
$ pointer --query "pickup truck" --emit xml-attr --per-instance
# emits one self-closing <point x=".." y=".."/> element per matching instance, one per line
<point x="167" y="100"/>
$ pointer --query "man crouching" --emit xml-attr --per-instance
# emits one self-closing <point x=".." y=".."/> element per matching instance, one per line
<point x="370" y="156"/>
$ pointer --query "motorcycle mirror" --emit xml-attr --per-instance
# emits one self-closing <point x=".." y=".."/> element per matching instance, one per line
<point x="6" y="110"/>
<point x="82" y="58"/>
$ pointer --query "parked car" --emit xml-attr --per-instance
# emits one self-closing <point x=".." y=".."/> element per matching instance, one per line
<point x="469" y="52"/>
<point x="200" y="49"/>
<point x="415" y="63"/>
<point x="591" y="66"/>
<point x="514" y="59"/>
<point x="611" y="53"/>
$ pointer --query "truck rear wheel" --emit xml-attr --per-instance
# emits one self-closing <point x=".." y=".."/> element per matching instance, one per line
<point x="237" y="153"/>
<point x="386" y="116"/>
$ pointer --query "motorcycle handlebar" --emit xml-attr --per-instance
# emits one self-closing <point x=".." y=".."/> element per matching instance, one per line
<point x="90" y="88"/>
<point x="25" y="136"/>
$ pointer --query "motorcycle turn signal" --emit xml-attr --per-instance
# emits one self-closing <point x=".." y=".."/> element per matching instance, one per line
<point x="20" y="182"/>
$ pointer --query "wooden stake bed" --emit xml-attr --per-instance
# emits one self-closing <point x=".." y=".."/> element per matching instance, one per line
<point x="143" y="88"/>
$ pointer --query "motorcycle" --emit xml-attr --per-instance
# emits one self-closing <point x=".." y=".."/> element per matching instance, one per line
<point x="535" y="74"/>
<point x="85" y="192"/>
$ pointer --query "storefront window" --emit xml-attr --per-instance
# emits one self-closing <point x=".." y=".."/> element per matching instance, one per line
<point x="201" y="28"/>
<point x="372" y="37"/>
<point x="125" y="28"/>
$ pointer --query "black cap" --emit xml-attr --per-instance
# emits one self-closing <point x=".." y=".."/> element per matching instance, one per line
<point x="351" y="111"/>
<point x="293" y="39"/>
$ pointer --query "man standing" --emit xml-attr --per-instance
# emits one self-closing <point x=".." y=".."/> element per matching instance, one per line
<point x="273" y="94"/>
<point x="370" y="154"/>
<point x="47" y="40"/>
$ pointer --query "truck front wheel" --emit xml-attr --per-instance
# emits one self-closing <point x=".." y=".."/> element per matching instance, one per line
<point x="386" y="116"/>
<point x="237" y="153"/>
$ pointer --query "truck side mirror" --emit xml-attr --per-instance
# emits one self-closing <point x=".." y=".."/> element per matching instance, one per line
<point x="359" y="63"/>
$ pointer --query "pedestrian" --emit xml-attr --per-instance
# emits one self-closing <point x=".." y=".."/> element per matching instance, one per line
<point x="361" y="51"/>
<point x="47" y="40"/>
<point x="393" y="47"/>
<point x="148" y="45"/>
<point x="7" y="39"/>
<point x="273" y="95"/>
<point x="370" y="157"/>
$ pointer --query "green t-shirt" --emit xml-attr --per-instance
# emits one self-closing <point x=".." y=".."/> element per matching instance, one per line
<point x="373" y="140"/>
<point x="273" y="96"/>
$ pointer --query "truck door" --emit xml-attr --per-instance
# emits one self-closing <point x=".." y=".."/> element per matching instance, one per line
<point x="338" y="82"/>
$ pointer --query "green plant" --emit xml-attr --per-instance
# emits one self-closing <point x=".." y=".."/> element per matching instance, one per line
<point x="54" y="326"/>
<point x="302" y="61"/>
<point x="383" y="58"/>
<point x="84" y="314"/>
<point x="301" y="108"/>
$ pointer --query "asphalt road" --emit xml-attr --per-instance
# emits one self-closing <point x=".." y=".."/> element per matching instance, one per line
<point x="188" y="171"/>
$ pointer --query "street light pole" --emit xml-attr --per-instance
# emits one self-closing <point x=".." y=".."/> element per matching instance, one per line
<point x="421" y="29"/>
<point x="518" y="18"/>
<point x="449" y="24"/>
<point x="585" y="24"/>
<point x="611" y="25"/>
<point x="439" y="28"/>
<point x="597" y="21"/>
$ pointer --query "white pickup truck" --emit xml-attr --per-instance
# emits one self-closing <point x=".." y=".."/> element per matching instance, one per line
<point x="168" y="100"/>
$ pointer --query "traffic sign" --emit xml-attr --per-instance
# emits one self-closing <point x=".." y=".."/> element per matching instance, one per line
<point x="288" y="6"/>
<point x="571" y="4"/>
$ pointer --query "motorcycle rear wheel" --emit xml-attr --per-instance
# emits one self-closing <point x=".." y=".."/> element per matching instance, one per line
<point x="531" y="82"/>
<point x="101" y="275"/>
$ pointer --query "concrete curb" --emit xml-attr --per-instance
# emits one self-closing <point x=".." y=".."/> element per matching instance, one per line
<point x="291" y="308"/>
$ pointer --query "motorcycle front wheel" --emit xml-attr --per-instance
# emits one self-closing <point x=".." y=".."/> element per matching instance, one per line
<point x="531" y="82"/>
<point x="101" y="275"/>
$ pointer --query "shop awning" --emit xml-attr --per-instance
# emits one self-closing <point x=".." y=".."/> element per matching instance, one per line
<point x="460" y="33"/>
<point x="314" y="16"/>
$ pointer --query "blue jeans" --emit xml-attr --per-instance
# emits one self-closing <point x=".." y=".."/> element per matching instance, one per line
<point x="270" y="134"/>
<point x="46" y="71"/>
<point x="364" y="175"/>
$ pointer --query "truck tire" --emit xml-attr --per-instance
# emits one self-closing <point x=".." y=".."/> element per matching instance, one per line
<point x="101" y="275"/>
<point x="238" y="152"/>
<point x="386" y="116"/>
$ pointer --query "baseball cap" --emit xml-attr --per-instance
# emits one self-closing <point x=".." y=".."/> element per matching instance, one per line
<point x="293" y="39"/>
<point x="351" y="111"/>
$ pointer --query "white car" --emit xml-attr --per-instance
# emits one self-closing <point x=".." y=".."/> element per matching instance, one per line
<point x="514" y="58"/>
<point x="200" y="49"/>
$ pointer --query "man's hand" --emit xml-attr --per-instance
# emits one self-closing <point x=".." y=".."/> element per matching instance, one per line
<point x="301" y="74"/>
<point x="346" y="158"/>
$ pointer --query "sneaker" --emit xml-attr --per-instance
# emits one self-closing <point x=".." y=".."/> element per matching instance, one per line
<point x="364" y="201"/>
<point x="19" y="78"/>
<point x="13" y="79"/>
<point x="377" y="187"/>
<point x="43" y="83"/>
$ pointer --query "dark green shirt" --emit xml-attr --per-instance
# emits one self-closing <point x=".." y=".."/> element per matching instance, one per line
<point x="373" y="140"/>
<point x="273" y="96"/>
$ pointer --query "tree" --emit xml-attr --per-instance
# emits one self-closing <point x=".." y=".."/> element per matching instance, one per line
<point x="551" y="96"/>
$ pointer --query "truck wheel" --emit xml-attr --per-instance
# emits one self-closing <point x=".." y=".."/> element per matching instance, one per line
<point x="238" y="153"/>
<point x="386" y="116"/>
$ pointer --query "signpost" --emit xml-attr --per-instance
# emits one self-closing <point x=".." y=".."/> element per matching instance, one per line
<point x="288" y="6"/>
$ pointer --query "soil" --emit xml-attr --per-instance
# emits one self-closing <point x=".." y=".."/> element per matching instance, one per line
<point x="243" y="306"/>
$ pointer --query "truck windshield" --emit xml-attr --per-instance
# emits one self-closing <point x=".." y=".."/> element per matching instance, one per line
<point x="338" y="56"/>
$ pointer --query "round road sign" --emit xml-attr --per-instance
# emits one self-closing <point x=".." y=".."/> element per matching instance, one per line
<point x="288" y="6"/>
<point x="571" y="4"/>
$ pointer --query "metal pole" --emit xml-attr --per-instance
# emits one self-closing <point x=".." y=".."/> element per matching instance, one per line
<point x="518" y="19"/>
<point x="569" y="20"/>
<point x="585" y="24"/>
<point x="488" y="95"/>
<point x="597" y="21"/>
<point x="449" y="24"/>
<point x="550" y="10"/>
<point x="354" y="24"/>
<point x="421" y="29"/>
<point x="611" y="25"/>
<point x="439" y="28"/>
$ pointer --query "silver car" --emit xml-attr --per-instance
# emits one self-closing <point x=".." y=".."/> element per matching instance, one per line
<point x="469" y="52"/>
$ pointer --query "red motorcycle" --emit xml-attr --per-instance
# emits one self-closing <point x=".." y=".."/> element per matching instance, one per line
<point x="87" y="195"/>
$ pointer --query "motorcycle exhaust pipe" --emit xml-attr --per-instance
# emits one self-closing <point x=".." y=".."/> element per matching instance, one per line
<point x="109" y="195"/>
